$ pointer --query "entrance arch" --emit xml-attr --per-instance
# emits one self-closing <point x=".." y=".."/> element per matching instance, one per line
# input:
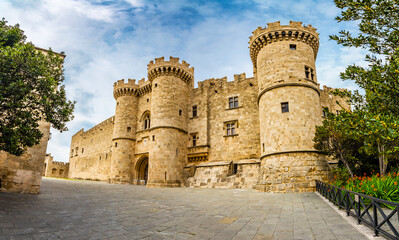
<point x="142" y="170"/>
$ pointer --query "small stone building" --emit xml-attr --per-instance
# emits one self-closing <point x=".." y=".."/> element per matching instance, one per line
<point x="55" y="169"/>
<point x="247" y="133"/>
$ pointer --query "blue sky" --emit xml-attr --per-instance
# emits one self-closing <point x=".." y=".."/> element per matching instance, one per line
<point x="109" y="40"/>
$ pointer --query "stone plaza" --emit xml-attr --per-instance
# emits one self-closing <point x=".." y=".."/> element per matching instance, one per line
<point x="67" y="209"/>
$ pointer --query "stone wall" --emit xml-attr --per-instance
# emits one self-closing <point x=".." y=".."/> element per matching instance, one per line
<point x="91" y="152"/>
<point x="292" y="172"/>
<point x="212" y="101"/>
<point x="23" y="174"/>
<point x="55" y="169"/>
<point x="225" y="174"/>
<point x="329" y="100"/>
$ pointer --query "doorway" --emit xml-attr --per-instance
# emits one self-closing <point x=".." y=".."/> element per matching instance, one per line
<point x="142" y="170"/>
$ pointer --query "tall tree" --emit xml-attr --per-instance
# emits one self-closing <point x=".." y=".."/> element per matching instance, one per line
<point x="378" y="108"/>
<point x="30" y="91"/>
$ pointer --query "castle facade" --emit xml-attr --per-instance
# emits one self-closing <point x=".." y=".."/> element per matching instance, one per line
<point x="248" y="133"/>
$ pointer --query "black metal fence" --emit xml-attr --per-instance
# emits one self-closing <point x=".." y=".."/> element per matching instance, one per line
<point x="380" y="215"/>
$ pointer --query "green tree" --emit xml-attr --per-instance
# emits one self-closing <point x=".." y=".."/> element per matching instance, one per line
<point x="375" y="113"/>
<point x="333" y="139"/>
<point x="30" y="91"/>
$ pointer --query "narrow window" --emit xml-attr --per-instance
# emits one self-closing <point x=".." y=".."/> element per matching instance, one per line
<point x="106" y="155"/>
<point x="99" y="157"/>
<point x="116" y="144"/>
<point x="153" y="137"/>
<point x="148" y="99"/>
<point x="231" y="129"/>
<point x="233" y="102"/>
<point x="83" y="150"/>
<point x="293" y="46"/>
<point x="156" y="85"/>
<point x="180" y="112"/>
<point x="263" y="146"/>
<point x="311" y="74"/>
<point x="194" y="140"/>
<point x="129" y="129"/>
<point x="76" y="153"/>
<point x="194" y="111"/>
<point x="307" y="72"/>
<point x="147" y="121"/>
<point x="284" y="107"/>
<point x="235" y="168"/>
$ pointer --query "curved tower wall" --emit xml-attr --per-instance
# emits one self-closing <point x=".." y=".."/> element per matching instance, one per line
<point x="284" y="65"/>
<point x="171" y="84"/>
<point x="123" y="142"/>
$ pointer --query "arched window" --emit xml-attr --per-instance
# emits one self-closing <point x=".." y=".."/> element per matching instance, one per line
<point x="147" y="121"/>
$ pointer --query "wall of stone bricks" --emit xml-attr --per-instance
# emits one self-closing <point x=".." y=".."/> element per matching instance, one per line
<point x="212" y="100"/>
<point x="23" y="174"/>
<point x="220" y="175"/>
<point x="292" y="172"/>
<point x="94" y="162"/>
<point x="55" y="169"/>
<point x="329" y="100"/>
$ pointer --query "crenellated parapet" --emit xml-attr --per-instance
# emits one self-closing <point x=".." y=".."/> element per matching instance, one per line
<point x="131" y="88"/>
<point x="125" y="89"/>
<point x="274" y="32"/>
<point x="172" y="67"/>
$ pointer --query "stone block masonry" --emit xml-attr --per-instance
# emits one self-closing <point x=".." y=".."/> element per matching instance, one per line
<point x="55" y="169"/>
<point x="251" y="132"/>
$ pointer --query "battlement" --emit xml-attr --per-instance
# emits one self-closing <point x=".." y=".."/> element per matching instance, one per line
<point x="172" y="67"/>
<point x="276" y="26"/>
<point x="122" y="88"/>
<point x="173" y="62"/>
<point x="100" y="126"/>
<point x="220" y="82"/>
<point x="61" y="164"/>
<point x="277" y="32"/>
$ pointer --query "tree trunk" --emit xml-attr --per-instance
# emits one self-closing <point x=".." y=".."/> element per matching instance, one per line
<point x="381" y="159"/>
<point x="346" y="165"/>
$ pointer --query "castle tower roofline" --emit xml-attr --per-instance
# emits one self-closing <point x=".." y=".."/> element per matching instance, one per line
<point x="277" y="32"/>
<point x="171" y="67"/>
<point x="122" y="88"/>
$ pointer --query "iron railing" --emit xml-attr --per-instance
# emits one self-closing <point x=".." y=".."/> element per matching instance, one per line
<point x="384" y="216"/>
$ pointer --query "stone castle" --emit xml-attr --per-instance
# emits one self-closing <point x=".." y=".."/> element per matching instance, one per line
<point x="248" y="133"/>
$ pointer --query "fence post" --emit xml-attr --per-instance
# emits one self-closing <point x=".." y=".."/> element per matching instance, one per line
<point x="358" y="210"/>
<point x="375" y="219"/>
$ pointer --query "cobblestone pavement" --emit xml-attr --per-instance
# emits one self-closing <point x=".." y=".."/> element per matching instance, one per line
<point x="94" y="210"/>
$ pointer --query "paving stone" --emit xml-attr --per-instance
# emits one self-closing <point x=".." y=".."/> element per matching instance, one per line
<point x="95" y="210"/>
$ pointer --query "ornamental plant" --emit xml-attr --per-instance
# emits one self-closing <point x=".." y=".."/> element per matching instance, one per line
<point x="374" y="185"/>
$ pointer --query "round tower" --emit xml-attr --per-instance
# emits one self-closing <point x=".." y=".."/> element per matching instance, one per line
<point x="171" y="83"/>
<point x="124" y="135"/>
<point x="284" y="58"/>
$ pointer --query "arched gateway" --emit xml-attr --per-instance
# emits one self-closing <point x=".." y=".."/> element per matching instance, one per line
<point x="142" y="170"/>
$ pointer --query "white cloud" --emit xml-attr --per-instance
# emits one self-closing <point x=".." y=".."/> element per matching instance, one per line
<point x="135" y="3"/>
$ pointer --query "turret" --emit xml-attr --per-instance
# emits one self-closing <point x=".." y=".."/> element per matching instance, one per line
<point x="124" y="135"/>
<point x="284" y="58"/>
<point x="171" y="83"/>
